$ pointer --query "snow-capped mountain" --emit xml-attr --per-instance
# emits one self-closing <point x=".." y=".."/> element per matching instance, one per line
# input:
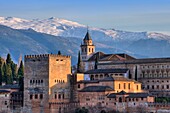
<point x="45" y="36"/>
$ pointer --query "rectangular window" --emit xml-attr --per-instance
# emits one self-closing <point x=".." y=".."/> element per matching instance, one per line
<point x="78" y="85"/>
<point x="36" y="96"/>
<point x="41" y="96"/>
<point x="124" y="85"/>
<point x="129" y="85"/>
<point x="137" y="87"/>
<point x="167" y="86"/>
<point x="119" y="86"/>
<point x="31" y="97"/>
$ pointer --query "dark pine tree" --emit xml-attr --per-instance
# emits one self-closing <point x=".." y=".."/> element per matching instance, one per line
<point x="4" y="77"/>
<point x="1" y="73"/>
<point x="8" y="60"/>
<point x="21" y="76"/>
<point x="21" y="70"/>
<point x="96" y="62"/>
<point x="79" y="66"/>
<point x="136" y="74"/>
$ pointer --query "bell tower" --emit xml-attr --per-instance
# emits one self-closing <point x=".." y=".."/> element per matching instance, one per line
<point x="87" y="48"/>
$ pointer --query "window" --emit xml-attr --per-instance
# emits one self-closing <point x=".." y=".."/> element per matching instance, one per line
<point x="78" y="85"/>
<point x="147" y="86"/>
<point x="119" y="86"/>
<point x="137" y="87"/>
<point x="30" y="81"/>
<point x="129" y="85"/>
<point x="152" y="86"/>
<point x="89" y="49"/>
<point x="41" y="96"/>
<point x="167" y="86"/>
<point x="59" y="96"/>
<point x="5" y="102"/>
<point x="41" y="81"/>
<point x="157" y="86"/>
<point x="162" y="86"/>
<point x="36" y="96"/>
<point x="5" y="95"/>
<point x="31" y="97"/>
<point x="124" y="85"/>
<point x="63" y="96"/>
<point x="55" y="96"/>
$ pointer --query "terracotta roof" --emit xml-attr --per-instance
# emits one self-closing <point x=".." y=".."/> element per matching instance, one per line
<point x="95" y="71"/>
<point x="96" y="89"/>
<point x="110" y="57"/>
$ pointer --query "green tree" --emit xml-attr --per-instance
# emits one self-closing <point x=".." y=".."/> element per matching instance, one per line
<point x="79" y="65"/>
<point x="14" y="71"/>
<point x="21" y="70"/>
<point x="9" y="74"/>
<point x="96" y="62"/>
<point x="1" y="71"/>
<point x="4" y="77"/>
<point x="8" y="60"/>
<point x="21" y="76"/>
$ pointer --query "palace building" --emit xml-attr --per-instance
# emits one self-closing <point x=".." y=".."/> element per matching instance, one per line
<point x="154" y="73"/>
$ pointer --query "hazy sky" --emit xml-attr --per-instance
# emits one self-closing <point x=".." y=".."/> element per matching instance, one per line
<point x="130" y="15"/>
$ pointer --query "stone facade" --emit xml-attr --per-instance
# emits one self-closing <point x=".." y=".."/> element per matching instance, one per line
<point x="154" y="73"/>
<point x="45" y="81"/>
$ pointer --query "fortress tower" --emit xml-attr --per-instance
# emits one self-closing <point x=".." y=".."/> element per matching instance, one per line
<point x="87" y="48"/>
<point x="45" y="81"/>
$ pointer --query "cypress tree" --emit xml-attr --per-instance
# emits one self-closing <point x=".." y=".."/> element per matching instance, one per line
<point x="21" y="70"/>
<point x="136" y="74"/>
<point x="4" y="77"/>
<point x="8" y="60"/>
<point x="14" y="71"/>
<point x="79" y="66"/>
<point x="1" y="73"/>
<point x="9" y="74"/>
<point x="96" y="61"/>
<point x="21" y="76"/>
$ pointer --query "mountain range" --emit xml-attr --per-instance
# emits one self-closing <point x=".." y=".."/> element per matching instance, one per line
<point x="20" y="37"/>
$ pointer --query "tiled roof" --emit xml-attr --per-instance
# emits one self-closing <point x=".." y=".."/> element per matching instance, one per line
<point x="110" y="57"/>
<point x="12" y="86"/>
<point x="96" y="89"/>
<point x="4" y="91"/>
<point x="96" y="71"/>
<point x="88" y="81"/>
<point x="138" y="95"/>
<point x="130" y="95"/>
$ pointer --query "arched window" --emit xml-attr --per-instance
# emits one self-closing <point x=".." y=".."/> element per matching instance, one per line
<point x="92" y="77"/>
<point x="59" y="96"/>
<point x="89" y="49"/>
<point x="30" y="81"/>
<point x="63" y="95"/>
<point x="55" y="96"/>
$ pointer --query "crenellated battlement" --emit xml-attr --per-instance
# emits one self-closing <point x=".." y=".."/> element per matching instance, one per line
<point x="45" y="56"/>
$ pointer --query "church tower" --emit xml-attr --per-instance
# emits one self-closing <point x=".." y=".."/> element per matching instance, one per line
<point x="87" y="48"/>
